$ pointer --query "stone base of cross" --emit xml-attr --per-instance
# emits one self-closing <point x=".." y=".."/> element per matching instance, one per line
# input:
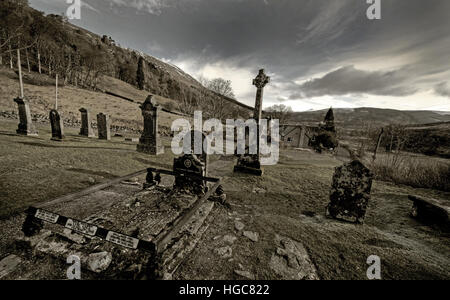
<point x="249" y="164"/>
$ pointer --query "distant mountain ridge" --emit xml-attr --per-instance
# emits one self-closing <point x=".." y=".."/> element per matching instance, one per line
<point x="354" y="117"/>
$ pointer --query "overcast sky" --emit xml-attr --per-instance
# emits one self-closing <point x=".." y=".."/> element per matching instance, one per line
<point x="319" y="53"/>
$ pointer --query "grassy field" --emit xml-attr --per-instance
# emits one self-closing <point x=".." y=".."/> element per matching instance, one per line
<point x="413" y="169"/>
<point x="35" y="169"/>
<point x="289" y="200"/>
<point x="71" y="99"/>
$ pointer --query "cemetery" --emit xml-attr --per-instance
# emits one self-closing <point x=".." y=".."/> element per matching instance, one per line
<point x="171" y="218"/>
<point x="99" y="165"/>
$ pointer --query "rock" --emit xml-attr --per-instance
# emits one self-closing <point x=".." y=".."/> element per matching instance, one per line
<point x="350" y="192"/>
<point x="291" y="261"/>
<point x="99" y="262"/>
<point x="133" y="140"/>
<point x="91" y="180"/>
<point x="75" y="237"/>
<point x="259" y="191"/>
<point x="245" y="274"/>
<point x="9" y="264"/>
<point x="239" y="225"/>
<point x="229" y="239"/>
<point x="253" y="236"/>
<point x="225" y="252"/>
<point x="431" y="211"/>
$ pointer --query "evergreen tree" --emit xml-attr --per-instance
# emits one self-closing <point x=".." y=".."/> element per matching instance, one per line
<point x="140" y="77"/>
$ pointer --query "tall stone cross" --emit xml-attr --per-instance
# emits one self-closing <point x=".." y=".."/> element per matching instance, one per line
<point x="260" y="82"/>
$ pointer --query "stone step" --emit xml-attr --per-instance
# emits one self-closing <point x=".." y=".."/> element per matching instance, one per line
<point x="431" y="211"/>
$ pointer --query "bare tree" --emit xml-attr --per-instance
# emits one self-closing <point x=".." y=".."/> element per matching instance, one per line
<point x="220" y="86"/>
<point x="280" y="111"/>
<point x="187" y="105"/>
<point x="217" y="107"/>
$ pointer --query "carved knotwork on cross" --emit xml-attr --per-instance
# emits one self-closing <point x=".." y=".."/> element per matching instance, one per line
<point x="261" y="80"/>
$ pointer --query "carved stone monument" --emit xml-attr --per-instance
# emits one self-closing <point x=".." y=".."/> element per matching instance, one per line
<point x="350" y="192"/>
<point x="26" y="126"/>
<point x="150" y="141"/>
<point x="192" y="164"/>
<point x="86" y="126"/>
<point x="104" y="127"/>
<point x="250" y="163"/>
<point x="57" y="125"/>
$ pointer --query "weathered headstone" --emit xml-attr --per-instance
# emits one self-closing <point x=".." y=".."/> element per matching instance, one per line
<point x="104" y="127"/>
<point x="26" y="126"/>
<point x="194" y="164"/>
<point x="86" y="126"/>
<point x="57" y="125"/>
<point x="250" y="163"/>
<point x="350" y="192"/>
<point x="150" y="141"/>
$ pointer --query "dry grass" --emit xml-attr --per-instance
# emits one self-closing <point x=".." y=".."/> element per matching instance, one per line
<point x="71" y="99"/>
<point x="35" y="169"/>
<point x="293" y="205"/>
<point x="415" y="171"/>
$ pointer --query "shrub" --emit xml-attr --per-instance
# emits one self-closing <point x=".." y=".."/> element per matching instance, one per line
<point x="419" y="172"/>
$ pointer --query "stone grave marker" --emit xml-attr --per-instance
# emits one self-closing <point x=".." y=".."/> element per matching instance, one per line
<point x="57" y="125"/>
<point x="104" y="127"/>
<point x="350" y="192"/>
<point x="86" y="126"/>
<point x="150" y="141"/>
<point x="250" y="163"/>
<point x="26" y="126"/>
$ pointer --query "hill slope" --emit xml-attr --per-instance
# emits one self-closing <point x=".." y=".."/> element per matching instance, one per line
<point x="83" y="59"/>
<point x="378" y="117"/>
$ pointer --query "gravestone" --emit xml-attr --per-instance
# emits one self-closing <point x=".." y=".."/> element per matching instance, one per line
<point x="86" y="126"/>
<point x="57" y="126"/>
<point x="250" y="163"/>
<point x="192" y="164"/>
<point x="26" y="126"/>
<point x="104" y="127"/>
<point x="350" y="192"/>
<point x="150" y="141"/>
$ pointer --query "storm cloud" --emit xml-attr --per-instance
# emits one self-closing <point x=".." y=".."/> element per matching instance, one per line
<point x="348" y="80"/>
<point x="443" y="89"/>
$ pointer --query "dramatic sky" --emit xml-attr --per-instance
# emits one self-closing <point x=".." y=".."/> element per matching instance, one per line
<point x="319" y="53"/>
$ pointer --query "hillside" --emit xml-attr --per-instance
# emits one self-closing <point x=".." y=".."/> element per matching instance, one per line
<point x="96" y="64"/>
<point x="87" y="60"/>
<point x="351" y="118"/>
<point x="125" y="115"/>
